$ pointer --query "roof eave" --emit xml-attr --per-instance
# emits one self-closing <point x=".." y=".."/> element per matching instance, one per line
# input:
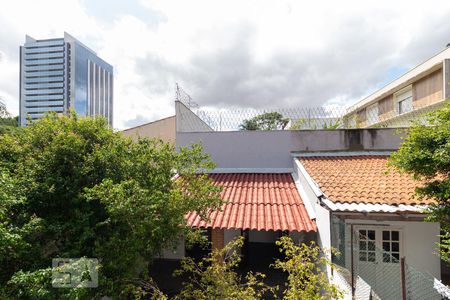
<point x="342" y="206"/>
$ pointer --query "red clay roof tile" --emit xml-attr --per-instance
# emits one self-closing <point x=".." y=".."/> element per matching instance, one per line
<point x="361" y="179"/>
<point x="257" y="201"/>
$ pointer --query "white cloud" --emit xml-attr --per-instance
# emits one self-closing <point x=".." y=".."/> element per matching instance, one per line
<point x="234" y="53"/>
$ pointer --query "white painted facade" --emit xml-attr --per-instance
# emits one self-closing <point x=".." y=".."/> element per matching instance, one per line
<point x="417" y="238"/>
<point x="417" y="243"/>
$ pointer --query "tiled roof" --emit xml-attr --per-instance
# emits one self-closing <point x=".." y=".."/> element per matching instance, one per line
<point x="257" y="201"/>
<point x="361" y="179"/>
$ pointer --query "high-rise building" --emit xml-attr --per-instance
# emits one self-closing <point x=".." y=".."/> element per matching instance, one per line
<point x="63" y="74"/>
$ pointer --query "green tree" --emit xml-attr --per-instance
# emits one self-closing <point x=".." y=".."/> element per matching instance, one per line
<point x="214" y="277"/>
<point x="266" y="121"/>
<point x="306" y="266"/>
<point x="8" y="124"/>
<point x="71" y="187"/>
<point x="297" y="124"/>
<point x="317" y="123"/>
<point x="425" y="153"/>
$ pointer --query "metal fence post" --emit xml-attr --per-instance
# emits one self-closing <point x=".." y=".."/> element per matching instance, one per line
<point x="403" y="277"/>
<point x="351" y="261"/>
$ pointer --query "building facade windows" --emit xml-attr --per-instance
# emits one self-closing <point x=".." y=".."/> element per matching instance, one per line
<point x="404" y="101"/>
<point x="61" y="75"/>
<point x="388" y="240"/>
<point x="372" y="114"/>
<point x="99" y="91"/>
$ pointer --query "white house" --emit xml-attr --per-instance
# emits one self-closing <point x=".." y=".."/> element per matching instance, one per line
<point x="368" y="212"/>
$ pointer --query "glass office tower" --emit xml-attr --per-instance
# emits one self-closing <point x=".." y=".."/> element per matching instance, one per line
<point x="63" y="74"/>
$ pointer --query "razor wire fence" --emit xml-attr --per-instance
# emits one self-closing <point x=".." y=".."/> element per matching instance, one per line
<point x="371" y="265"/>
<point x="304" y="118"/>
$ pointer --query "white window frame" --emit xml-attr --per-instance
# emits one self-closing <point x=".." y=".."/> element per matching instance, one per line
<point x="372" y="114"/>
<point x="379" y="240"/>
<point x="403" y="95"/>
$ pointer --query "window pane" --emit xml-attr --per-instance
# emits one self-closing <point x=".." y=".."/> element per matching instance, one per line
<point x="362" y="256"/>
<point x="395" y="257"/>
<point x="395" y="235"/>
<point x="372" y="114"/>
<point x="386" y="235"/>
<point x="371" y="234"/>
<point x="386" y="257"/>
<point x="395" y="247"/>
<point x="362" y="233"/>
<point x="362" y="245"/>
<point x="371" y="246"/>
<point x="405" y="106"/>
<point x="371" y="256"/>
<point x="386" y="246"/>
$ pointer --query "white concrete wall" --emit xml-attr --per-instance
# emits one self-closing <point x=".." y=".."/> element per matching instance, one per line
<point x="273" y="149"/>
<point x="419" y="243"/>
<point x="187" y="121"/>
<point x="316" y="211"/>
<point x="323" y="227"/>
<point x="303" y="184"/>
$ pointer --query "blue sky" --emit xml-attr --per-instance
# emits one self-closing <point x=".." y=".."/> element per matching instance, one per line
<point x="253" y="53"/>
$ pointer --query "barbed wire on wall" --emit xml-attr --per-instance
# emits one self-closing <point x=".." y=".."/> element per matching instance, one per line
<point x="310" y="118"/>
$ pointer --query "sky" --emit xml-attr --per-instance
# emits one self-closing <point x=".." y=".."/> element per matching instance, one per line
<point x="234" y="53"/>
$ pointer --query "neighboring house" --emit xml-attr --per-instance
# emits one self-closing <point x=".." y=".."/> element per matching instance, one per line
<point x="164" y="129"/>
<point x="261" y="207"/>
<point x="331" y="186"/>
<point x="421" y="89"/>
<point x="340" y="179"/>
<point x="369" y="213"/>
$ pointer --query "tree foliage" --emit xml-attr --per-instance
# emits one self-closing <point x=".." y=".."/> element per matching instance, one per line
<point x="265" y="121"/>
<point x="71" y="187"/>
<point x="316" y="123"/>
<point x="8" y="124"/>
<point x="306" y="267"/>
<point x="214" y="277"/>
<point x="425" y="153"/>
